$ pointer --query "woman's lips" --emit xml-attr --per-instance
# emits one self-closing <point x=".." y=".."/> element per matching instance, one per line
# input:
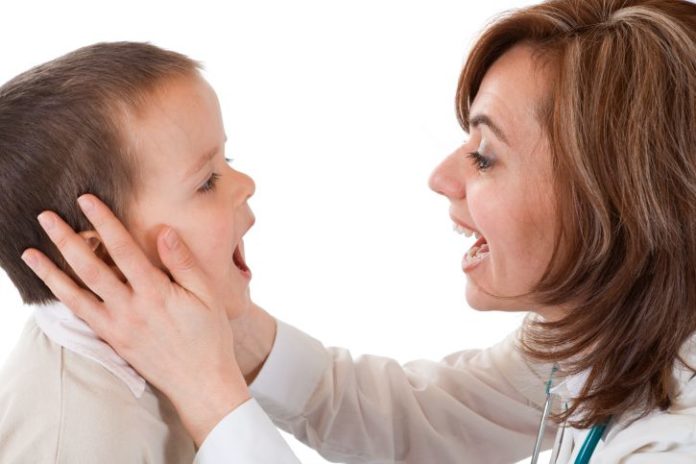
<point x="478" y="252"/>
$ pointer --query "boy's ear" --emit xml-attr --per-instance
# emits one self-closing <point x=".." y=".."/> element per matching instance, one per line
<point x="92" y="238"/>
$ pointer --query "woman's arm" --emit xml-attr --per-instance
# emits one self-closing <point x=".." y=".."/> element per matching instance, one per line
<point x="470" y="406"/>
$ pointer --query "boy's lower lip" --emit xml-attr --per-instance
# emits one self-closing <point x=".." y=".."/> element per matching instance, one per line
<point x="245" y="273"/>
<point x="239" y="261"/>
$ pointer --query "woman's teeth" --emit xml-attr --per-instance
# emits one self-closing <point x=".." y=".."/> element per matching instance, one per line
<point x="467" y="232"/>
<point x="477" y="252"/>
<point x="475" y="255"/>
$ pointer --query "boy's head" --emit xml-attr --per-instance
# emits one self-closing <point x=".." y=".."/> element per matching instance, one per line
<point x="141" y="129"/>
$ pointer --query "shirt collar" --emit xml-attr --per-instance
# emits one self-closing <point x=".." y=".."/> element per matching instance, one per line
<point x="65" y="329"/>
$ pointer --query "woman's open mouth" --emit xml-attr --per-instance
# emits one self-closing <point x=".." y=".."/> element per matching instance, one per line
<point x="478" y="251"/>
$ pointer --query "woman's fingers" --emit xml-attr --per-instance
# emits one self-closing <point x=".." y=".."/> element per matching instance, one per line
<point x="83" y="303"/>
<point x="125" y="252"/>
<point x="87" y="266"/>
<point x="177" y="257"/>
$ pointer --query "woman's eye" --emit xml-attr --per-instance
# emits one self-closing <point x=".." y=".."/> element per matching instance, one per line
<point x="481" y="162"/>
<point x="210" y="183"/>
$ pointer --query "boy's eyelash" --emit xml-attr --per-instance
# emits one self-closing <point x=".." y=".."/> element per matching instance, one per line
<point x="481" y="162"/>
<point x="209" y="185"/>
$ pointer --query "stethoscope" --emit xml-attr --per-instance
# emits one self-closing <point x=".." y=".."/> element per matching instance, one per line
<point x="588" y="446"/>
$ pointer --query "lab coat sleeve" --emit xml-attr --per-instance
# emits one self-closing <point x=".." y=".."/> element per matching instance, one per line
<point x="471" y="406"/>
<point x="245" y="436"/>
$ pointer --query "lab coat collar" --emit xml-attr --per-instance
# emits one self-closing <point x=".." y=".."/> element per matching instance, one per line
<point x="571" y="386"/>
<point x="65" y="329"/>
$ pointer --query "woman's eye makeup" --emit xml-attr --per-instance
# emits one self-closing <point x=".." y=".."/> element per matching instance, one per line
<point x="481" y="162"/>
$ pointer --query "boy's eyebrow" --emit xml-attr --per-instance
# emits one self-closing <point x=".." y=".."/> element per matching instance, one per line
<point x="202" y="161"/>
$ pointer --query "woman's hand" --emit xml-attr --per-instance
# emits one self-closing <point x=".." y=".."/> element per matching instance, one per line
<point x="177" y="336"/>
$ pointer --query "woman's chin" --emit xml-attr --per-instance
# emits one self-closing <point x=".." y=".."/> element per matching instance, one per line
<point x="477" y="299"/>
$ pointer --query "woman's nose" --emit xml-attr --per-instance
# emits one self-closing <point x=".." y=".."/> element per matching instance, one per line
<point x="448" y="178"/>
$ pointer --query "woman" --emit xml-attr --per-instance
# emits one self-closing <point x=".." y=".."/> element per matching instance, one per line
<point x="579" y="177"/>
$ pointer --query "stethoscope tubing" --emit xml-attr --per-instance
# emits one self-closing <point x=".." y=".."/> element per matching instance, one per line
<point x="588" y="446"/>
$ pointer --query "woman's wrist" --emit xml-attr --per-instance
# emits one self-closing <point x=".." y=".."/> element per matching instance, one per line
<point x="254" y="336"/>
<point x="204" y="407"/>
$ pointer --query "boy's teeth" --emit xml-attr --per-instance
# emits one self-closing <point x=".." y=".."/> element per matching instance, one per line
<point x="477" y="235"/>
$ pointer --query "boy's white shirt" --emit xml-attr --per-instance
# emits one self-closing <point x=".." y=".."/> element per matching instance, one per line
<point x="65" y="329"/>
<point x="249" y="435"/>
<point x="295" y="384"/>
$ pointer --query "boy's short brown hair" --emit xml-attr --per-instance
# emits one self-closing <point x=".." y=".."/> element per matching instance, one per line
<point x="61" y="136"/>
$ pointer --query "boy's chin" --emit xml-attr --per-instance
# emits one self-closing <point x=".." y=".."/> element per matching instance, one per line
<point x="240" y="305"/>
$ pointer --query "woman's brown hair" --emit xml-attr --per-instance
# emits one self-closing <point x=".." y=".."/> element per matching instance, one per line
<point x="620" y="116"/>
<point x="62" y="134"/>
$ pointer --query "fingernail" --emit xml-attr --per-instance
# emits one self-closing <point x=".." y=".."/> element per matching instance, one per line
<point x="30" y="259"/>
<point x="86" y="204"/>
<point x="170" y="238"/>
<point x="46" y="221"/>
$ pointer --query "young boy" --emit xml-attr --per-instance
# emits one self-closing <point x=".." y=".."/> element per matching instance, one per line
<point x="140" y="128"/>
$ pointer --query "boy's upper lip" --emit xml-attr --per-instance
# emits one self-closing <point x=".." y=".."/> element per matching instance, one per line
<point x="252" y="221"/>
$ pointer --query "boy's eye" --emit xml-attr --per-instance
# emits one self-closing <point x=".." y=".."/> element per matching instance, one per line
<point x="481" y="162"/>
<point x="210" y="183"/>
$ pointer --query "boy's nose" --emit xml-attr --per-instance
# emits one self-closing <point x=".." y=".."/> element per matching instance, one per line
<point x="448" y="178"/>
<point x="246" y="187"/>
<point x="249" y="185"/>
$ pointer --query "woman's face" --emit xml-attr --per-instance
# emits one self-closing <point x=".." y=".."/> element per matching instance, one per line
<point x="503" y="193"/>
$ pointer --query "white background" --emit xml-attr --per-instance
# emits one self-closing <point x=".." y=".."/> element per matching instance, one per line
<point x="339" y="111"/>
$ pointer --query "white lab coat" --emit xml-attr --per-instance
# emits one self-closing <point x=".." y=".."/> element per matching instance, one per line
<point x="478" y="406"/>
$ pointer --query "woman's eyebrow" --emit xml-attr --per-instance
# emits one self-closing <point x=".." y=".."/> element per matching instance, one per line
<point x="479" y="119"/>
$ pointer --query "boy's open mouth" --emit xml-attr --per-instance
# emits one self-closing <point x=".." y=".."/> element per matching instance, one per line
<point x="238" y="258"/>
